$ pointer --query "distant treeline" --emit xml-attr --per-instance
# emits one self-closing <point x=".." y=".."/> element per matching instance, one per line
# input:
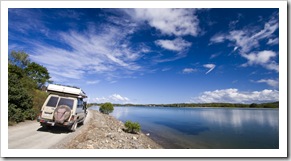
<point x="231" y="105"/>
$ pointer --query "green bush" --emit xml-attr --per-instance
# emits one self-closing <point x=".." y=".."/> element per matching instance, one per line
<point x="132" y="127"/>
<point x="106" y="108"/>
<point x="30" y="114"/>
<point x="15" y="115"/>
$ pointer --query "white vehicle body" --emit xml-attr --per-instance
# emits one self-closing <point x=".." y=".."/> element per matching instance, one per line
<point x="64" y="106"/>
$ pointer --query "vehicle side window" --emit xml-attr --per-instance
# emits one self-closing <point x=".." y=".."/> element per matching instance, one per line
<point x="80" y="103"/>
<point x="53" y="101"/>
<point x="68" y="102"/>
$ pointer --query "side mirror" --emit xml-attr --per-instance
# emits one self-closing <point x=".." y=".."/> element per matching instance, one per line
<point x="84" y="105"/>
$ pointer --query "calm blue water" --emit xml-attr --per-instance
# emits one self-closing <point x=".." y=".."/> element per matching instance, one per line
<point x="218" y="128"/>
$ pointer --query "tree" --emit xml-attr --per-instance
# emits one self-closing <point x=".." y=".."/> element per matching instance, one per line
<point x="19" y="58"/>
<point x="106" y="108"/>
<point x="253" y="105"/>
<point x="18" y="99"/>
<point x="38" y="73"/>
<point x="24" y="79"/>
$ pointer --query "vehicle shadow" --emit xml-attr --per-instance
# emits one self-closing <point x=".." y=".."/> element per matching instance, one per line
<point x="54" y="130"/>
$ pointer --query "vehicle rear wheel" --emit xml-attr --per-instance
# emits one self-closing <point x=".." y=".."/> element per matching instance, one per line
<point x="74" y="127"/>
<point x="45" y="126"/>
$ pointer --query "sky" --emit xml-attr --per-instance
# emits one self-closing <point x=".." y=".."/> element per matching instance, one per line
<point x="160" y="56"/>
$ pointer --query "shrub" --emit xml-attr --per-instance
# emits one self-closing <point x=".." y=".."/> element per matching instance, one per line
<point x="15" y="114"/>
<point x="30" y="114"/>
<point x="106" y="108"/>
<point x="132" y="127"/>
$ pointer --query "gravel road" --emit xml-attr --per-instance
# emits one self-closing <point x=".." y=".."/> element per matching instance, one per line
<point x="30" y="135"/>
<point x="99" y="131"/>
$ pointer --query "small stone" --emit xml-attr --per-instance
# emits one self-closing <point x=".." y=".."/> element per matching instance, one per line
<point x="119" y="130"/>
<point x="148" y="134"/>
<point x="134" y="138"/>
<point x="90" y="147"/>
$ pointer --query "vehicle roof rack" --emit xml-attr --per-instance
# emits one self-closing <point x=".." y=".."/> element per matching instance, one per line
<point x="54" y="88"/>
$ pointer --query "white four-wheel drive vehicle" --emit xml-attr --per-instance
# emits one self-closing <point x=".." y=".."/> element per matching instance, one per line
<point x="64" y="106"/>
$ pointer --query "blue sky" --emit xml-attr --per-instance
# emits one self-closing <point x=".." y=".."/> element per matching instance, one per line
<point x="155" y="55"/>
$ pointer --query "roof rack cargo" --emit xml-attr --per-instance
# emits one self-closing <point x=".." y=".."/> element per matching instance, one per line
<point x="53" y="88"/>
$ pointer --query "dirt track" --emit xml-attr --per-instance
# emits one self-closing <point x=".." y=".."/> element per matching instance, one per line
<point x="99" y="131"/>
<point x="30" y="135"/>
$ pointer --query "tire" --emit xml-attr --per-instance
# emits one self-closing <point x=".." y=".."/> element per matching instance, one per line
<point x="45" y="126"/>
<point x="82" y="122"/>
<point x="74" y="127"/>
<point x="62" y="114"/>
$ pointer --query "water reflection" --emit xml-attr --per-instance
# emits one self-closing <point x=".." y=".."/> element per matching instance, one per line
<point x="189" y="129"/>
<point x="206" y="127"/>
<point x="237" y="118"/>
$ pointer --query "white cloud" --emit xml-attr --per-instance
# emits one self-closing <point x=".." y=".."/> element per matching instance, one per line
<point x="210" y="67"/>
<point x="270" y="82"/>
<point x="248" y="39"/>
<point x="218" y="38"/>
<point x="189" y="70"/>
<point x="114" y="98"/>
<point x="93" y="82"/>
<point x="273" y="41"/>
<point x="169" y="21"/>
<point x="263" y="58"/>
<point x="117" y="97"/>
<point x="233" y="95"/>
<point x="103" y="51"/>
<point x="177" y="44"/>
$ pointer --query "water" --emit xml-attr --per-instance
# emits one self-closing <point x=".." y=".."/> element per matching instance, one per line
<point x="206" y="128"/>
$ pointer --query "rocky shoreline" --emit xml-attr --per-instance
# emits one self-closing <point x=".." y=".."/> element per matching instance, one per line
<point x="101" y="131"/>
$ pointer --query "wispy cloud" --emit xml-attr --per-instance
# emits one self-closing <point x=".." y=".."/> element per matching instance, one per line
<point x="114" y="98"/>
<point x="248" y="39"/>
<point x="271" y="82"/>
<point x="210" y="67"/>
<point x="233" y="95"/>
<point x="218" y="38"/>
<point x="274" y="41"/>
<point x="177" y="44"/>
<point x="263" y="58"/>
<point x="93" y="82"/>
<point x="189" y="70"/>
<point x="169" y="21"/>
<point x="26" y="21"/>
<point x="89" y="52"/>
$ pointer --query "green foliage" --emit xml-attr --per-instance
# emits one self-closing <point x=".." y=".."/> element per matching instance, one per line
<point x="37" y="73"/>
<point x="132" y="127"/>
<point x="17" y="94"/>
<point x="38" y="99"/>
<point x="253" y="105"/>
<point x="19" y="58"/>
<point x="30" y="114"/>
<point x="106" y="108"/>
<point x="15" y="114"/>
<point x="24" y="77"/>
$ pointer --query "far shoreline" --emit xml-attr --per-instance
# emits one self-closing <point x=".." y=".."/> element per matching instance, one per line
<point x="268" y="105"/>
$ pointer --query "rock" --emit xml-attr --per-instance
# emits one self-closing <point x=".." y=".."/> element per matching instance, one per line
<point x="134" y="138"/>
<point x="105" y="132"/>
<point x="90" y="147"/>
